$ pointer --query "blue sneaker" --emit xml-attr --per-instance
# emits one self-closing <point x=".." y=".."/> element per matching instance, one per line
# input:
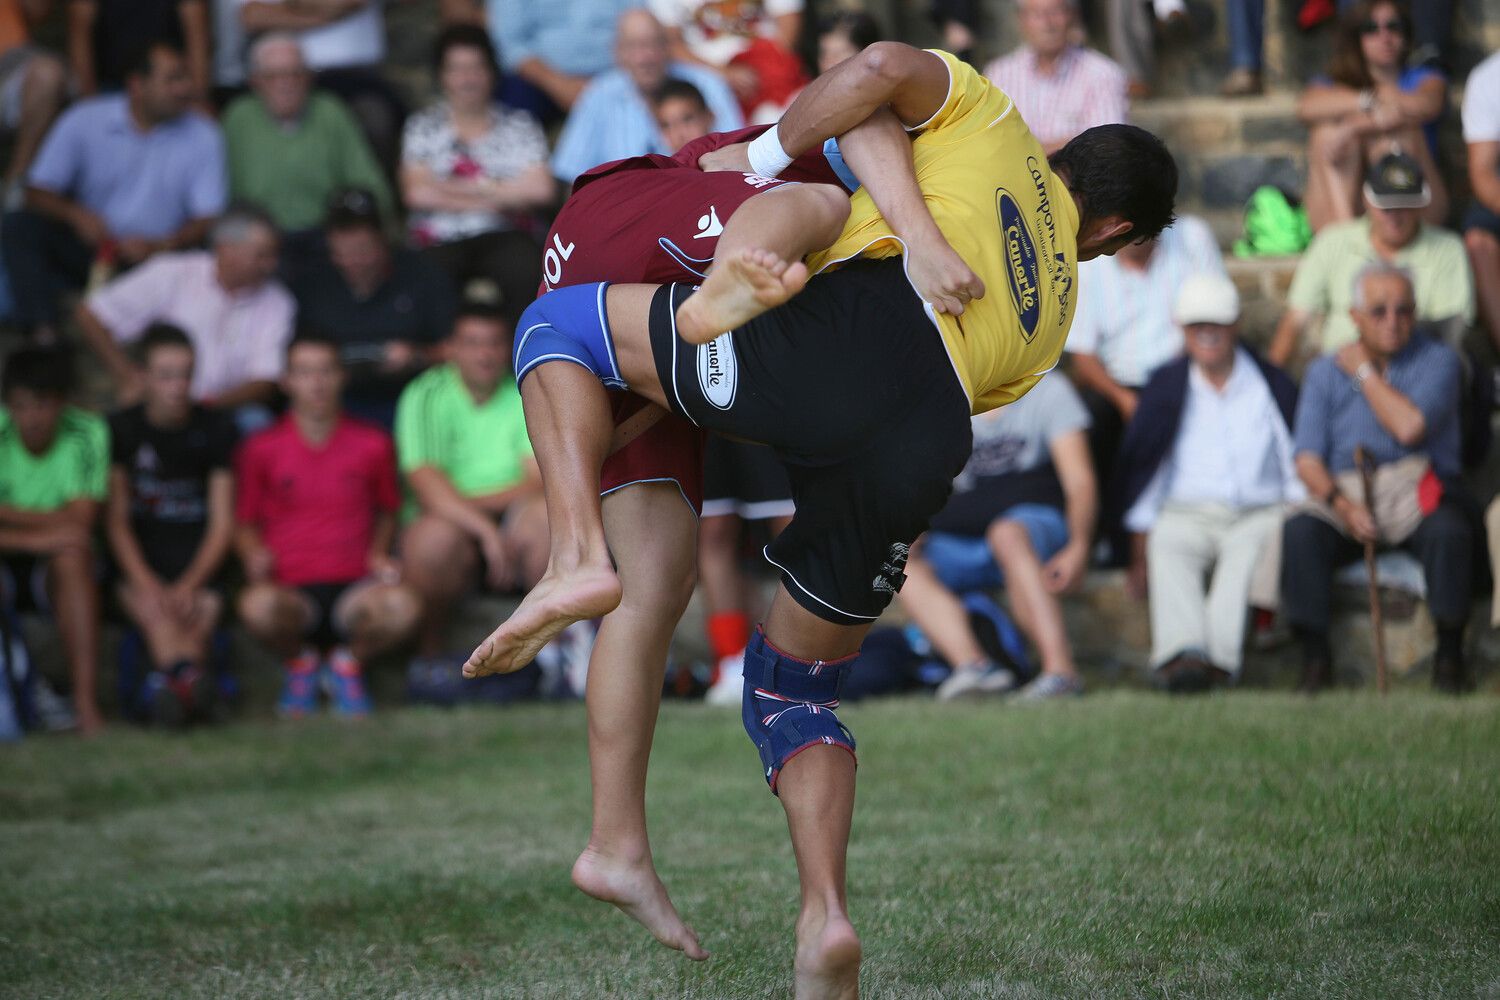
<point x="345" y="683"/>
<point x="299" y="693"/>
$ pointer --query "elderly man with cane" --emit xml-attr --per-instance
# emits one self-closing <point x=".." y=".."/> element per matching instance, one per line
<point x="1393" y="395"/>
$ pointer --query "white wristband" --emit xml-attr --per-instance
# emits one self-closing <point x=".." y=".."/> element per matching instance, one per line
<point x="766" y="156"/>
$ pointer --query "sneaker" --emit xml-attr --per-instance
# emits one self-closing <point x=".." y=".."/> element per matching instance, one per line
<point x="158" y="703"/>
<point x="976" y="683"/>
<point x="1050" y="686"/>
<point x="1241" y="83"/>
<point x="299" y="692"/>
<point x="728" y="689"/>
<point x="53" y="713"/>
<point x="345" y="683"/>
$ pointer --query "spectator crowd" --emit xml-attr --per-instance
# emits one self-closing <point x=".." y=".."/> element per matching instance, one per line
<point x="302" y="294"/>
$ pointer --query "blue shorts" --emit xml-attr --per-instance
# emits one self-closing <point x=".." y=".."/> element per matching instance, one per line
<point x="963" y="563"/>
<point x="1479" y="217"/>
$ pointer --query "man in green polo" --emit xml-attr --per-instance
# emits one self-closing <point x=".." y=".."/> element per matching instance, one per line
<point x="476" y="500"/>
<point x="54" y="474"/>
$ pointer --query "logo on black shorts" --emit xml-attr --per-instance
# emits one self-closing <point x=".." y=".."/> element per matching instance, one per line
<point x="718" y="371"/>
<point x="892" y="572"/>
<point x="1021" y="265"/>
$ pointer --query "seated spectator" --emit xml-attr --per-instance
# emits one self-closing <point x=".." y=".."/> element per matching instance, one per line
<point x="316" y="516"/>
<point x="1370" y="104"/>
<point x="551" y="52"/>
<point x="54" y="464"/>
<point x="291" y="147"/>
<point x="343" y="42"/>
<point x="33" y="87"/>
<point x="844" y="36"/>
<point x="1021" y="517"/>
<point x="170" y="523"/>
<point x="474" y="175"/>
<point x="123" y="176"/>
<point x="1392" y="231"/>
<point x="1206" y="469"/>
<point x="1123" y="330"/>
<point x="1482" y="221"/>
<point x="1060" y="88"/>
<point x="753" y="45"/>
<point x="612" y="119"/>
<point x="681" y="113"/>
<point x="1133" y="29"/>
<point x="105" y="35"/>
<point x="385" y="307"/>
<point x="1395" y="394"/>
<point x="238" y="317"/>
<point x="461" y="439"/>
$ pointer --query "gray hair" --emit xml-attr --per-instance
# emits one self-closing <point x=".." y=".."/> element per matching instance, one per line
<point x="270" y="40"/>
<point x="1377" y="269"/>
<point x="238" y="223"/>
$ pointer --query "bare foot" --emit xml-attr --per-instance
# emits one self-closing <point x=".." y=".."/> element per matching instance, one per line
<point x="552" y="605"/>
<point x="828" y="960"/>
<point x="639" y="894"/>
<point x="739" y="288"/>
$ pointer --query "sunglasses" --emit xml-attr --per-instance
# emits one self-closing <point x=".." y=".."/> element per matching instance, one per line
<point x="1373" y="27"/>
<point x="1401" y="312"/>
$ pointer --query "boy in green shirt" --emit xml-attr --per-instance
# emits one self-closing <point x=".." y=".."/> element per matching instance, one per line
<point x="54" y="468"/>
<point x="462" y="447"/>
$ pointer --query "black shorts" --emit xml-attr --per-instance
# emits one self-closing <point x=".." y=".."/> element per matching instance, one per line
<point x="852" y="387"/>
<point x="744" y="479"/>
<point x="1479" y="217"/>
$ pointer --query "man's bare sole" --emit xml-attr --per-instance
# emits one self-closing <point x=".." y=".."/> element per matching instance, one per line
<point x="552" y="605"/>
<point x="638" y="893"/>
<point x="739" y="288"/>
<point x="828" y="962"/>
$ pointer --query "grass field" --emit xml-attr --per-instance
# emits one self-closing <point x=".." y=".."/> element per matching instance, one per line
<point x="1125" y="845"/>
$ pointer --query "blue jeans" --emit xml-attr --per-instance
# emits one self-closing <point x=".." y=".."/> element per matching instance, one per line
<point x="964" y="564"/>
<point x="1247" y="31"/>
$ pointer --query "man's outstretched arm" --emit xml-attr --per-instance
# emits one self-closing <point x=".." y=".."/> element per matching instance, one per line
<point x="912" y="82"/>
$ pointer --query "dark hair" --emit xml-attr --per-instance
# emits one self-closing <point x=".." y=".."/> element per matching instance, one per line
<point x="860" y="28"/>
<point x="142" y="56"/>
<point x="353" y="208"/>
<point x="1348" y="66"/>
<point x="675" y="89"/>
<point x="1121" y="170"/>
<point x="46" y="371"/>
<point x="161" y="335"/>
<point x="480" y="309"/>
<point x="465" y="36"/>
<point x="313" y="338"/>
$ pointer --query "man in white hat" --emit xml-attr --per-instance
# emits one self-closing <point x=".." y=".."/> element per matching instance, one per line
<point x="1206" y="468"/>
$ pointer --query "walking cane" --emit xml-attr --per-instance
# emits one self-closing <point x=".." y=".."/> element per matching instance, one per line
<point x="1366" y="472"/>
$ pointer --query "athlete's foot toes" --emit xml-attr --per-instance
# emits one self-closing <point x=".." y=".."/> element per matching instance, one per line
<point x="828" y="961"/>
<point x="638" y="893"/>
<point x="739" y="288"/>
<point x="551" y="606"/>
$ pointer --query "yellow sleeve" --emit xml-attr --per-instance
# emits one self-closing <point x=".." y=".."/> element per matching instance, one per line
<point x="973" y="104"/>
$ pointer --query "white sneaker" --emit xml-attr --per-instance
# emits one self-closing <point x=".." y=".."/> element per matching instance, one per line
<point x="976" y="684"/>
<point x="728" y="691"/>
<point x="1050" y="686"/>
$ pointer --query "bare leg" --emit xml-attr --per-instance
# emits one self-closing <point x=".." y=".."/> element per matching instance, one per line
<point x="1037" y="612"/>
<point x="379" y="617"/>
<point x="718" y="567"/>
<point x="817" y="792"/>
<point x="276" y="616"/>
<point x="789" y="223"/>
<point x="1335" y="161"/>
<point x="439" y="561"/>
<point x="172" y="638"/>
<point x="75" y="600"/>
<point x="652" y="533"/>
<point x="1484" y="258"/>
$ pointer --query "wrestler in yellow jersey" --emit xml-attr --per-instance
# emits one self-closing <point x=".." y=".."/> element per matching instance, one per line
<point x="988" y="185"/>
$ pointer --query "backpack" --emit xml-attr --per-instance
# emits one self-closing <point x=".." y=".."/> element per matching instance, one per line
<point x="1275" y="225"/>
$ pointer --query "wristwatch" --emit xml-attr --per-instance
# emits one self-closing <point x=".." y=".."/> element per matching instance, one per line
<point x="1363" y="372"/>
<point x="1367" y="101"/>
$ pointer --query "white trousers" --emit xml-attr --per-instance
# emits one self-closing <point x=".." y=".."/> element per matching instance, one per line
<point x="1199" y="560"/>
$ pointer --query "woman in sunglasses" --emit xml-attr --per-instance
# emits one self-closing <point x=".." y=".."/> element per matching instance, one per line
<point x="1370" y="104"/>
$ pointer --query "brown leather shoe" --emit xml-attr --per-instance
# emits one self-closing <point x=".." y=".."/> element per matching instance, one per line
<point x="1241" y="83"/>
<point x="1189" y="673"/>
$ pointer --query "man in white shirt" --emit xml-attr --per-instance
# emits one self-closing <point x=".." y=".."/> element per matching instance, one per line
<point x="1207" y="467"/>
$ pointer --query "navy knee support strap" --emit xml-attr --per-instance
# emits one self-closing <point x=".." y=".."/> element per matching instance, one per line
<point x="568" y="324"/>
<point x="789" y="704"/>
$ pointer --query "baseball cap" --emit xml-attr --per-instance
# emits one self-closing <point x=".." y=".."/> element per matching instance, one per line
<point x="350" y="207"/>
<point x="1207" y="298"/>
<point x="1395" y="181"/>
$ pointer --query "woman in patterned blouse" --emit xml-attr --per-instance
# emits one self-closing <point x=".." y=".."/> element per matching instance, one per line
<point x="474" y="172"/>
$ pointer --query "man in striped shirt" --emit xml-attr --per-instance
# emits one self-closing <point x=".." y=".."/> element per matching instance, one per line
<point x="1061" y="89"/>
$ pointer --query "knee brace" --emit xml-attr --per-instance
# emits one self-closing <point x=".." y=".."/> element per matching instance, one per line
<point x="568" y="324"/>
<point x="789" y="704"/>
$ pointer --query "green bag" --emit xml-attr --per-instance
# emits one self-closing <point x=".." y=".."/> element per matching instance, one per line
<point x="1274" y="226"/>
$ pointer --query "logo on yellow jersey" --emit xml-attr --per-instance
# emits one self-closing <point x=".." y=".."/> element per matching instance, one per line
<point x="1021" y="262"/>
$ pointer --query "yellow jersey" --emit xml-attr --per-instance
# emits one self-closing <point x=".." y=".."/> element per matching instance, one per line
<point x="988" y="186"/>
